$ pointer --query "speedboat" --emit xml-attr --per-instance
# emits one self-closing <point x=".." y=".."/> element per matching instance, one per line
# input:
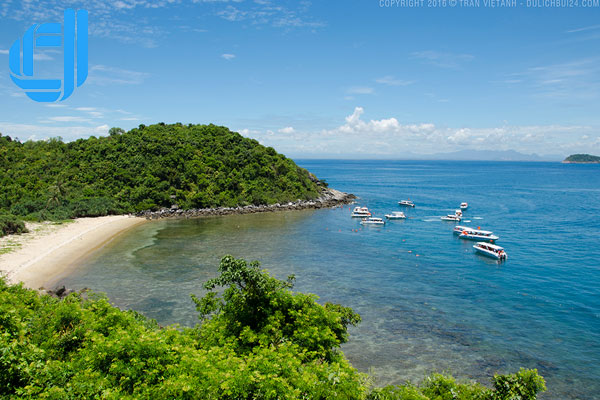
<point x="396" y="215"/>
<point x="475" y="234"/>
<point x="372" y="221"/>
<point x="464" y="206"/>
<point x="361" y="212"/>
<point x="451" y="217"/>
<point x="491" y="250"/>
<point x="459" y="228"/>
<point x="406" y="203"/>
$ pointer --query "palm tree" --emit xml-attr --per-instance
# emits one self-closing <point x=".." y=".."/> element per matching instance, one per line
<point x="57" y="193"/>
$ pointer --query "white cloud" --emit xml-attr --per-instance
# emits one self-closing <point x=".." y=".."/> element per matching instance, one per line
<point x="390" y="138"/>
<point x="391" y="81"/>
<point x="572" y="80"/>
<point x="38" y="132"/>
<point x="287" y="129"/>
<point x="106" y="75"/>
<point x="228" y="56"/>
<point x="68" y="118"/>
<point x="42" y="57"/>
<point x="585" y="28"/>
<point x="91" y="111"/>
<point x="267" y="13"/>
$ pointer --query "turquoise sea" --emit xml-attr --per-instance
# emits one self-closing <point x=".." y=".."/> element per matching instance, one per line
<point x="428" y="302"/>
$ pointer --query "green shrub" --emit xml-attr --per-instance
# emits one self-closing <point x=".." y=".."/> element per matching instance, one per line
<point x="10" y="224"/>
<point x="82" y="347"/>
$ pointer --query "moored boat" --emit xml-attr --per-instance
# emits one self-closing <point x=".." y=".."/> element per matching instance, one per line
<point x="451" y="217"/>
<point x="361" y="212"/>
<point x="459" y="228"/>
<point x="406" y="203"/>
<point x="464" y="205"/>
<point x="396" y="215"/>
<point x="475" y="234"/>
<point x="372" y="221"/>
<point x="491" y="250"/>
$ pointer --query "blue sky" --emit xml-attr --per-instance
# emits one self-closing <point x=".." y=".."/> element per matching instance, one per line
<point x="327" y="78"/>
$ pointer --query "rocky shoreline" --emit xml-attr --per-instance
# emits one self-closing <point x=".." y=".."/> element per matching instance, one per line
<point x="329" y="198"/>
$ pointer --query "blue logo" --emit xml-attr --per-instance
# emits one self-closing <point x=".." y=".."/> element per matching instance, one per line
<point x="75" y="51"/>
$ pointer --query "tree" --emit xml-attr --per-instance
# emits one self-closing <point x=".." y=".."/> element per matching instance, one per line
<point x="115" y="131"/>
<point x="257" y="309"/>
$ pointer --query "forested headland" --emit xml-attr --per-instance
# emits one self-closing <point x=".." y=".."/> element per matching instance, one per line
<point x="146" y="168"/>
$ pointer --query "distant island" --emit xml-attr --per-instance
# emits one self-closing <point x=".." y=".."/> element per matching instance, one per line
<point x="582" y="159"/>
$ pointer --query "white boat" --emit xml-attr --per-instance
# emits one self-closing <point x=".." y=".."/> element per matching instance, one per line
<point x="458" y="213"/>
<point x="396" y="215"/>
<point x="361" y="212"/>
<point x="372" y="221"/>
<point x="407" y="203"/>
<point x="459" y="228"/>
<point x="451" y="217"/>
<point x="491" y="250"/>
<point x="464" y="206"/>
<point x="464" y="232"/>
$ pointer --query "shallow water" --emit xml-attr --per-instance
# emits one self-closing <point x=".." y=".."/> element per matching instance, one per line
<point x="428" y="302"/>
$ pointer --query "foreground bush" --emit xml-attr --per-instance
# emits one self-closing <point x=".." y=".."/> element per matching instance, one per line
<point x="257" y="340"/>
<point x="10" y="224"/>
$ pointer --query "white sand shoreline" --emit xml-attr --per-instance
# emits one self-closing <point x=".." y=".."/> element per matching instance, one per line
<point x="48" y="251"/>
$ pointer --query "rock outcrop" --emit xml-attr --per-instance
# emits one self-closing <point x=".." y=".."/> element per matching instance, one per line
<point x="329" y="198"/>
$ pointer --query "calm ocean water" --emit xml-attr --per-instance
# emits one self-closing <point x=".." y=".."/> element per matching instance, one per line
<point x="428" y="302"/>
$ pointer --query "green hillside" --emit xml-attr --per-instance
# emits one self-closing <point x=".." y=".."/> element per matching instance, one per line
<point x="582" y="158"/>
<point x="194" y="166"/>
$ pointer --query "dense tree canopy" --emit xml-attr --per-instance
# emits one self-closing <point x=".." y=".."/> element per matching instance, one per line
<point x="257" y="340"/>
<point x="194" y="166"/>
<point x="582" y="158"/>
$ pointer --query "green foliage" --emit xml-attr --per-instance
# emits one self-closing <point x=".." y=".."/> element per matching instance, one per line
<point x="524" y="385"/>
<point x="258" y="310"/>
<point x="257" y="340"/>
<point x="10" y="224"/>
<point x="582" y="158"/>
<point x="155" y="166"/>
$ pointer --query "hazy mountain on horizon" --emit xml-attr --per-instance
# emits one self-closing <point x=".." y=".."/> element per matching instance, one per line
<point x="491" y="155"/>
<point x="460" y="155"/>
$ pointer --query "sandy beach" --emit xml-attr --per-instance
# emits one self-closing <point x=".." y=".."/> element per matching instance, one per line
<point x="50" y="250"/>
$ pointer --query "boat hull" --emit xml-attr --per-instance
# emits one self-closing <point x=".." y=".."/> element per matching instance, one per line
<point x="490" y="254"/>
<point x="450" y="219"/>
<point x="478" y="238"/>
